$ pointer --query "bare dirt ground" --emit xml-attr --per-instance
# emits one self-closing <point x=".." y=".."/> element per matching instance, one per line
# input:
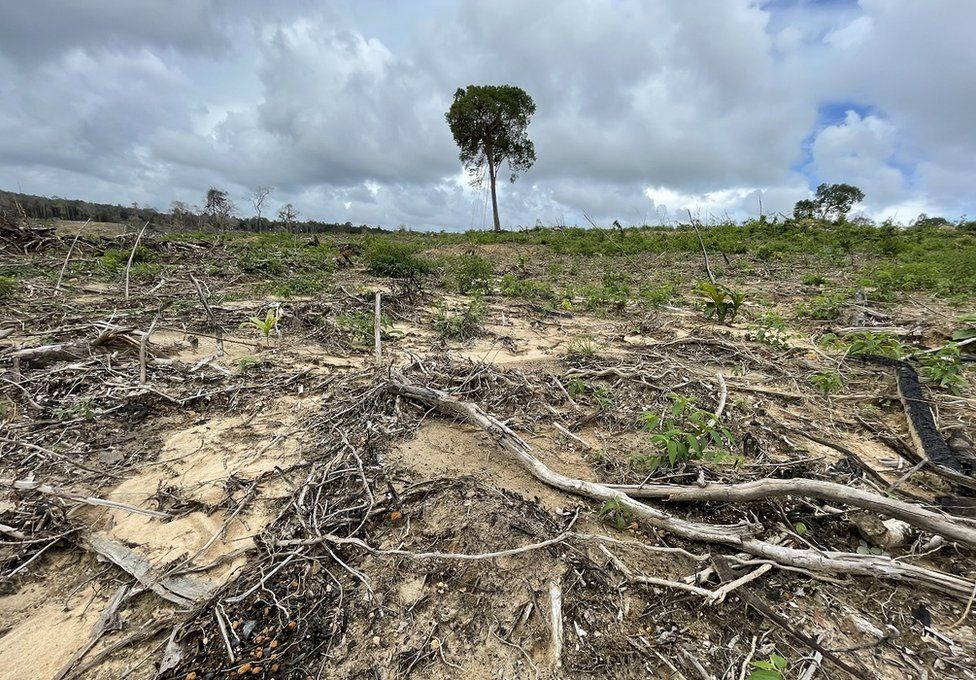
<point x="284" y="507"/>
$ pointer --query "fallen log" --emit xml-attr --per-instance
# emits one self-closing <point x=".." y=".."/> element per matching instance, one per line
<point x="959" y="530"/>
<point x="738" y="536"/>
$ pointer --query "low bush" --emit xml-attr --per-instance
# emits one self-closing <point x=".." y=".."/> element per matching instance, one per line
<point x="469" y="273"/>
<point x="396" y="260"/>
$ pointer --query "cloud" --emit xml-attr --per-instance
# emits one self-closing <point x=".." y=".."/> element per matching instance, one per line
<point x="643" y="107"/>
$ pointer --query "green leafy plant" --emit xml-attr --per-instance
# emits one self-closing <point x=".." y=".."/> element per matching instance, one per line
<point x="770" y="669"/>
<point x="685" y="432"/>
<point x="246" y="362"/>
<point x="396" y="260"/>
<point x="584" y="346"/>
<point x="881" y="344"/>
<point x="616" y="513"/>
<point x="865" y="548"/>
<point x="770" y="330"/>
<point x="602" y="396"/>
<point x="944" y="367"/>
<point x="470" y="273"/>
<point x="720" y="302"/>
<point x="827" y="382"/>
<point x="301" y="285"/>
<point x="658" y="294"/>
<point x="967" y="331"/>
<point x="359" y="326"/>
<point x="823" y="307"/>
<point x="462" y="325"/>
<point x="517" y="286"/>
<point x="264" y="326"/>
<point x="814" y="280"/>
<point x="83" y="409"/>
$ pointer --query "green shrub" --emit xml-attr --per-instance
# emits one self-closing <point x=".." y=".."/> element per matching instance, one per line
<point x="720" y="301"/>
<point x="470" y="273"/>
<point x="880" y="344"/>
<point x="301" y="285"/>
<point x="770" y="329"/>
<point x="460" y="325"/>
<point x="967" y="328"/>
<point x="814" y="280"/>
<point x="115" y="259"/>
<point x="359" y="327"/>
<point x="827" y="382"/>
<point x="684" y="433"/>
<point x="396" y="260"/>
<point x="659" y="294"/>
<point x="823" y="307"/>
<point x="517" y="286"/>
<point x="944" y="367"/>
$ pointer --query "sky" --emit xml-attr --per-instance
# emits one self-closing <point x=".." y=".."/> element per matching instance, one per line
<point x="645" y="109"/>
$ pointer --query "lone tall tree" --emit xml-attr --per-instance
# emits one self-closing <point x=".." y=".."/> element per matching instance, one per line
<point x="832" y="202"/>
<point x="489" y="125"/>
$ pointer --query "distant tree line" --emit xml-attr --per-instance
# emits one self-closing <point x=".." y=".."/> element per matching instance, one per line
<point x="219" y="213"/>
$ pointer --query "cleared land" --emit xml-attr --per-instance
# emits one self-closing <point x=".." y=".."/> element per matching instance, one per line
<point x="188" y="496"/>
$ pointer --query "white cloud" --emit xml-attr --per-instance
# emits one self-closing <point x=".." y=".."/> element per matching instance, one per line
<point x="641" y="105"/>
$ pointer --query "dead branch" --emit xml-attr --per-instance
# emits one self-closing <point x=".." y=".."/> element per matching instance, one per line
<point x="952" y="528"/>
<point x="132" y="255"/>
<point x="48" y="490"/>
<point x="737" y="536"/>
<point x="64" y="267"/>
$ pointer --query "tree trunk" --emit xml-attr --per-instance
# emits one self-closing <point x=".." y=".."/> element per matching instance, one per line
<point x="494" y="197"/>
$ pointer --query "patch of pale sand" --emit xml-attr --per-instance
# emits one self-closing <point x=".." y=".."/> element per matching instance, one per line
<point x="441" y="449"/>
<point x="179" y="345"/>
<point x="41" y="626"/>
<point x="198" y="463"/>
<point x="40" y="644"/>
<point x="319" y="359"/>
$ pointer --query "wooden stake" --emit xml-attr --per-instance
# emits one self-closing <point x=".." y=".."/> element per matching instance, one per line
<point x="377" y="328"/>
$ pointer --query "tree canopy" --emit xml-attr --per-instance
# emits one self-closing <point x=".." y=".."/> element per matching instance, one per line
<point x="489" y="124"/>
<point x="831" y="202"/>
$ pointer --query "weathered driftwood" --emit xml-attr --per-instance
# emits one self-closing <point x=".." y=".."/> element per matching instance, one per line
<point x="740" y="537"/>
<point x="70" y="351"/>
<point x="958" y="530"/>
<point x="181" y="590"/>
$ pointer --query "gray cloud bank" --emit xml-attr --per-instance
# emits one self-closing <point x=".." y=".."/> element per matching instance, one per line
<point x="644" y="108"/>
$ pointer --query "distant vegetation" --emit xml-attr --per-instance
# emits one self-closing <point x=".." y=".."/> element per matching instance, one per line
<point x="218" y="213"/>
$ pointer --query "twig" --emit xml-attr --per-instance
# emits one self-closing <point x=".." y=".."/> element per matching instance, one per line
<point x="572" y="436"/>
<point x="218" y="331"/>
<point x="740" y="536"/>
<point x="64" y="267"/>
<point x="952" y="528"/>
<point x="128" y="265"/>
<point x="143" y="351"/>
<point x="725" y="573"/>
<point x="708" y="266"/>
<point x="965" y="612"/>
<point x="48" y="490"/>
